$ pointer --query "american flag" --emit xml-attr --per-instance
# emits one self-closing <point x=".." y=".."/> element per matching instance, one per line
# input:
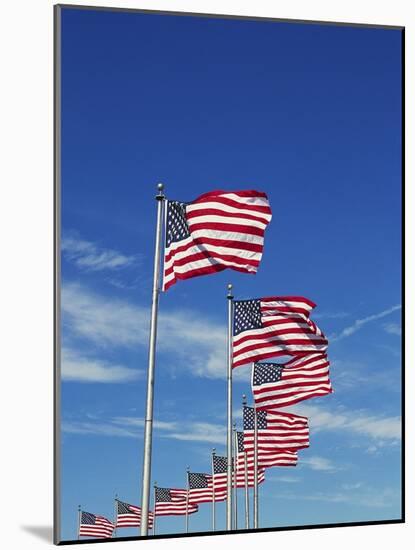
<point x="218" y="230"/>
<point x="276" y="386"/>
<point x="265" y="460"/>
<point x="201" y="488"/>
<point x="220" y="474"/>
<point x="240" y="477"/>
<point x="95" y="526"/>
<point x="276" y="431"/>
<point x="129" y="515"/>
<point x="268" y="459"/>
<point x="275" y="326"/>
<point x="173" y="502"/>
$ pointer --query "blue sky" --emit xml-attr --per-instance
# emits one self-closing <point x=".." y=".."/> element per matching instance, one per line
<point x="309" y="114"/>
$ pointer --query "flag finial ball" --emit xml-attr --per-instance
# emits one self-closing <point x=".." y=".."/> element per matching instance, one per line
<point x="230" y="286"/>
<point x="160" y="186"/>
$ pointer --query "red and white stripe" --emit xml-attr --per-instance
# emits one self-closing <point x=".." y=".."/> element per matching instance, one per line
<point x="301" y="378"/>
<point x="179" y="506"/>
<point x="103" y="528"/>
<point x="227" y="231"/>
<point x="221" y="480"/>
<point x="286" y="330"/>
<point x="266" y="459"/>
<point x="285" y="431"/>
<point x="240" y="475"/>
<point x="134" y="518"/>
<point x="205" y="494"/>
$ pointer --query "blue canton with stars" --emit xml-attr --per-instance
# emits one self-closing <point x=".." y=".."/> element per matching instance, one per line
<point x="198" y="481"/>
<point x="163" y="495"/>
<point x="247" y="315"/>
<point x="177" y="228"/>
<point x="87" y="518"/>
<point x="220" y="464"/>
<point x="240" y="436"/>
<point x="249" y="419"/>
<point x="266" y="373"/>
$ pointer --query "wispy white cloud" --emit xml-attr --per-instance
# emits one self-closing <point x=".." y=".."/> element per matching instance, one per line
<point x="201" y="431"/>
<point x="369" y="498"/>
<point x="90" y="256"/>
<point x="352" y="486"/>
<point x="357" y="422"/>
<point x="134" y="422"/>
<point x="284" y="479"/>
<point x="78" y="368"/>
<point x="95" y="428"/>
<point x="330" y="315"/>
<point x="393" y="328"/>
<point x="359" y="323"/>
<point x="320" y="463"/>
<point x="199" y="344"/>
<point x="356" y="375"/>
<point x="124" y="426"/>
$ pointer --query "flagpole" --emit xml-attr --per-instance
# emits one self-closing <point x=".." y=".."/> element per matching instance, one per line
<point x="154" y="509"/>
<point x="148" y="427"/>
<point x="79" y="519"/>
<point x="246" y="492"/>
<point x="115" y="514"/>
<point x="213" y="493"/>
<point x="229" y="427"/>
<point x="235" y="475"/>
<point x="187" y="501"/>
<point x="255" y="469"/>
<point x="246" y="478"/>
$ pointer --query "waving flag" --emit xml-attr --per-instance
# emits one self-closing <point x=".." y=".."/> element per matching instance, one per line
<point x="95" y="526"/>
<point x="201" y="489"/>
<point x="218" y="230"/>
<point x="220" y="474"/>
<point x="266" y="459"/>
<point x="173" y="502"/>
<point x="129" y="515"/>
<point x="276" y="431"/>
<point x="275" y="386"/>
<point x="240" y="477"/>
<point x="275" y="326"/>
<point x="240" y="466"/>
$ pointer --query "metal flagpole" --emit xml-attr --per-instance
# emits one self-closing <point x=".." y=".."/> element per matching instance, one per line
<point x="246" y="478"/>
<point x="148" y="427"/>
<point x="235" y="474"/>
<point x="213" y="493"/>
<point x="154" y="509"/>
<point x="229" y="427"/>
<point x="187" y="501"/>
<point x="246" y="491"/>
<point x="115" y="514"/>
<point x="255" y="469"/>
<point x="79" y="519"/>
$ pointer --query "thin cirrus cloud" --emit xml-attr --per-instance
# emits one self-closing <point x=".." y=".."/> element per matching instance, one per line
<point x="367" y="497"/>
<point x="195" y="340"/>
<point x="79" y="368"/>
<point x="89" y="256"/>
<point x="320" y="464"/>
<point x="330" y="315"/>
<point x="359" y="323"/>
<point x="386" y="428"/>
<point x="120" y="426"/>
<point x="393" y="328"/>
